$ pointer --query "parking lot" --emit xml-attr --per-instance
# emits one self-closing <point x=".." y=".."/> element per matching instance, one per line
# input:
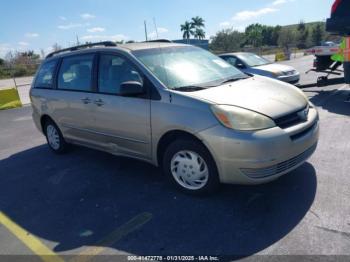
<point x="92" y="203"/>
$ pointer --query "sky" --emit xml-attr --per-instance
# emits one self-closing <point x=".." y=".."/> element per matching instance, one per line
<point x="38" y="24"/>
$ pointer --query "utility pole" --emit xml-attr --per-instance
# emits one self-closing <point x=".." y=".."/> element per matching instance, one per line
<point x="146" y="31"/>
<point x="155" y="27"/>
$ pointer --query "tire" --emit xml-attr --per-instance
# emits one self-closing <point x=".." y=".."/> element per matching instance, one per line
<point x="189" y="166"/>
<point x="54" y="138"/>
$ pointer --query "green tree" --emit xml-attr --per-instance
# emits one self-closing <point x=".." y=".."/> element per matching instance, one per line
<point x="198" y="25"/>
<point x="199" y="33"/>
<point x="318" y="34"/>
<point x="187" y="30"/>
<point x="275" y="35"/>
<point x="227" y="40"/>
<point x="287" y="38"/>
<point x="254" y="35"/>
<point x="2" y="62"/>
<point x="197" y="22"/>
<point x="303" y="35"/>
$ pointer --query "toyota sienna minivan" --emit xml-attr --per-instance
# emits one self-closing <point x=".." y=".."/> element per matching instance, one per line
<point x="178" y="107"/>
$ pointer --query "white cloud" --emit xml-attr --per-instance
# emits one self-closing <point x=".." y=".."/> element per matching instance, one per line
<point x="63" y="18"/>
<point x="225" y="24"/>
<point x="31" y="35"/>
<point x="23" y="43"/>
<point x="161" y="30"/>
<point x="118" y="37"/>
<point x="248" y="14"/>
<point x="71" y="26"/>
<point x="96" y="29"/>
<point x="87" y="16"/>
<point x="279" y="2"/>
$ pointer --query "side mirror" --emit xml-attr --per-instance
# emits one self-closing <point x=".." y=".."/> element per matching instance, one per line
<point x="240" y="66"/>
<point x="131" y="88"/>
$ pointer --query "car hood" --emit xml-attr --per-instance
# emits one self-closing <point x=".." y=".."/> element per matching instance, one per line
<point x="275" y="68"/>
<point x="260" y="94"/>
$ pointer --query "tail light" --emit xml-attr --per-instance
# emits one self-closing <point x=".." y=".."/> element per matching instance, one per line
<point x="335" y="5"/>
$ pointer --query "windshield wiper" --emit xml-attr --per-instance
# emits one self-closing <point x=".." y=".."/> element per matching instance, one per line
<point x="188" y="88"/>
<point x="234" y="79"/>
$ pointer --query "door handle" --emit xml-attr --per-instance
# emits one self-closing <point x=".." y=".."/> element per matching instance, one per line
<point x="86" y="100"/>
<point x="99" y="102"/>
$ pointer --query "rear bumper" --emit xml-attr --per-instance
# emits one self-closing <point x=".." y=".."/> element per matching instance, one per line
<point x="262" y="156"/>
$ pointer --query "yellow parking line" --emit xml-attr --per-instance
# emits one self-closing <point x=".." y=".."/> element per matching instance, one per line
<point x="30" y="241"/>
<point x="130" y="226"/>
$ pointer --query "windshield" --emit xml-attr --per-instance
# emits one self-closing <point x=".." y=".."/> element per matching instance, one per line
<point x="183" y="66"/>
<point x="253" y="60"/>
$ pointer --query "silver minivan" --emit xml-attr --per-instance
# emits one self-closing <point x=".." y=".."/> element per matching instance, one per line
<point x="178" y="107"/>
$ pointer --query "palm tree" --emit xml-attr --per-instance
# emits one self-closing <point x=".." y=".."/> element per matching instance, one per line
<point x="199" y="33"/>
<point x="187" y="29"/>
<point x="197" y="22"/>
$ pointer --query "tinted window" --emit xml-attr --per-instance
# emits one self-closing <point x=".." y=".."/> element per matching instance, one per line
<point x="45" y="75"/>
<point x="76" y="73"/>
<point x="231" y="60"/>
<point x="113" y="71"/>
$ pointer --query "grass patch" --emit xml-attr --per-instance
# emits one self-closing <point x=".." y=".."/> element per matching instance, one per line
<point x="9" y="98"/>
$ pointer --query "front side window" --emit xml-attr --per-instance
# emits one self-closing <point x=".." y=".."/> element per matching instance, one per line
<point x="183" y="66"/>
<point x="76" y="73"/>
<point x="113" y="71"/>
<point x="231" y="60"/>
<point x="46" y="75"/>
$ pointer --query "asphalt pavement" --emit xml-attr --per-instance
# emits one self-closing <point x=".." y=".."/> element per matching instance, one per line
<point x="92" y="203"/>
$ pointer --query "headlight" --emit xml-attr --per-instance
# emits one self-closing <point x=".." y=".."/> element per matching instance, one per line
<point x="277" y="74"/>
<point x="241" y="119"/>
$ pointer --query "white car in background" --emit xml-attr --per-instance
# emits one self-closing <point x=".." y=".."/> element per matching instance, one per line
<point x="253" y="64"/>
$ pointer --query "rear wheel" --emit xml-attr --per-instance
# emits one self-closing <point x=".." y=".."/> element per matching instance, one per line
<point x="190" y="167"/>
<point x="54" y="137"/>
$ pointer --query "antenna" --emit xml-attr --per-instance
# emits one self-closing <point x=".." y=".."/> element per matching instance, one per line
<point x="155" y="27"/>
<point x="146" y="31"/>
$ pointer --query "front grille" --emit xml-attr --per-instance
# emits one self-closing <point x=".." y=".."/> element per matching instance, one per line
<point x="257" y="173"/>
<point x="290" y="120"/>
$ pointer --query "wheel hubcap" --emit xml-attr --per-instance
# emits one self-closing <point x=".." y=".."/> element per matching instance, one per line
<point x="53" y="137"/>
<point x="189" y="170"/>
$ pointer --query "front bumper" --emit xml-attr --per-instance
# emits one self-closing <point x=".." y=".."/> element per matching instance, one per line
<point x="291" y="79"/>
<point x="261" y="156"/>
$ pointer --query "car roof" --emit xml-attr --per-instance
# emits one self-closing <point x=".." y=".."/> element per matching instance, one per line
<point x="149" y="45"/>
<point x="235" y="54"/>
<point x="121" y="47"/>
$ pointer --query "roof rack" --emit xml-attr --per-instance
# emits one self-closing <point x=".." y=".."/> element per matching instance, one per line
<point x="75" y="48"/>
<point x="159" y="41"/>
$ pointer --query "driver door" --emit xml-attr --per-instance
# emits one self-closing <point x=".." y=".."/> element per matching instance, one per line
<point x="122" y="124"/>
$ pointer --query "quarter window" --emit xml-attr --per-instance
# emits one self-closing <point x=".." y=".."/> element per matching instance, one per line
<point x="113" y="71"/>
<point x="46" y="75"/>
<point x="76" y="73"/>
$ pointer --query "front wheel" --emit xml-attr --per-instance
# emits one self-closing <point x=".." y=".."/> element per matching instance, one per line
<point x="54" y="137"/>
<point x="190" y="167"/>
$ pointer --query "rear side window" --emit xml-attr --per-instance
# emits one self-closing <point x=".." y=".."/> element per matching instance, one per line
<point x="76" y="73"/>
<point x="45" y="75"/>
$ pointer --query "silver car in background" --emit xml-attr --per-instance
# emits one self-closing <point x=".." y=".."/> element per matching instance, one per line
<point x="257" y="65"/>
<point x="175" y="106"/>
